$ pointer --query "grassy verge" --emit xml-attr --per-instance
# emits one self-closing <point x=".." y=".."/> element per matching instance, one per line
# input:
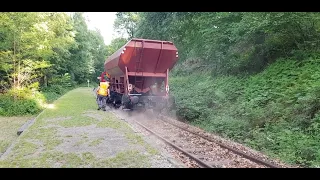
<point x="8" y="130"/>
<point x="37" y="147"/>
<point x="276" y="111"/>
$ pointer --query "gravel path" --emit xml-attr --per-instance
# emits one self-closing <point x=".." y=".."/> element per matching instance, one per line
<point x="100" y="142"/>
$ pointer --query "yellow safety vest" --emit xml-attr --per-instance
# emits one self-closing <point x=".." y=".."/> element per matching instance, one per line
<point x="103" y="89"/>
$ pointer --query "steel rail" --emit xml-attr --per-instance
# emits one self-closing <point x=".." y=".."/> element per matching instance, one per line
<point x="254" y="159"/>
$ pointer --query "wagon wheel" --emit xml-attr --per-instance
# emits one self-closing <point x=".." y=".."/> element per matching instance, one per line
<point x="125" y="102"/>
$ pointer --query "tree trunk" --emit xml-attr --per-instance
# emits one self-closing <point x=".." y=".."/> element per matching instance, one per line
<point x="14" y="66"/>
<point x="19" y="64"/>
<point x="18" y="76"/>
<point x="45" y="81"/>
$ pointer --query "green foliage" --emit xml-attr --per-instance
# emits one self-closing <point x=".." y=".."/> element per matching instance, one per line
<point x="62" y="80"/>
<point x="276" y="111"/>
<point x="47" y="52"/>
<point x="58" y="86"/>
<point x="51" y="96"/>
<point x="233" y="42"/>
<point x="58" y="89"/>
<point x="40" y="47"/>
<point x="115" y="45"/>
<point x="203" y="93"/>
<point x="127" y="22"/>
<point x="26" y="105"/>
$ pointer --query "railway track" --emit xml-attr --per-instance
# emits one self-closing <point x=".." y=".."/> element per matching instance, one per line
<point x="197" y="149"/>
<point x="193" y="157"/>
<point x="252" y="158"/>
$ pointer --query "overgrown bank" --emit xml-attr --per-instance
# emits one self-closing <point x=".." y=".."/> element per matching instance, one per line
<point x="275" y="111"/>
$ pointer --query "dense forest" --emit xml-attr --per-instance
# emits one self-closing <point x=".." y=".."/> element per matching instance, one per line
<point x="43" y="55"/>
<point x="253" y="77"/>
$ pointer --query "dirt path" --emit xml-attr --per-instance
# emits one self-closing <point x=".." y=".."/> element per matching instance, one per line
<point x="74" y="134"/>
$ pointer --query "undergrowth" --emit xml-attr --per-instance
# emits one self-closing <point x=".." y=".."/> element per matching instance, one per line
<point x="275" y="111"/>
<point x="28" y="102"/>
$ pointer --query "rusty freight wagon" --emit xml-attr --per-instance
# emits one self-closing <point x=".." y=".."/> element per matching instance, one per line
<point x="139" y="74"/>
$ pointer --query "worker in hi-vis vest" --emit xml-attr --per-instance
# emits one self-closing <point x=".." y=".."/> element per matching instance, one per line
<point x="103" y="92"/>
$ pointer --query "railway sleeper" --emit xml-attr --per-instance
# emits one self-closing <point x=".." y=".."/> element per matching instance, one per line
<point x="193" y="150"/>
<point x="181" y="145"/>
<point x="220" y="163"/>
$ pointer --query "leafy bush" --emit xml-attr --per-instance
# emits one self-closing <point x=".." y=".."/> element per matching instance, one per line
<point x="58" y="89"/>
<point x="22" y="106"/>
<point x="50" y="96"/>
<point x="29" y="100"/>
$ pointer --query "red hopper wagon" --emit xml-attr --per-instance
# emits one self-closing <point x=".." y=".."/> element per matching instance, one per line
<point x="139" y="73"/>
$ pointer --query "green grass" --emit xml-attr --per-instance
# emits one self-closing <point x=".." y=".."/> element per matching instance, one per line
<point x="96" y="142"/>
<point x="46" y="135"/>
<point x="77" y="121"/>
<point x="127" y="159"/>
<point x="276" y="111"/>
<point x="24" y="148"/>
<point x="112" y="122"/>
<point x="8" y="130"/>
<point x="51" y="96"/>
<point x="72" y="103"/>
<point x="82" y="141"/>
<point x="134" y="139"/>
<point x="36" y="147"/>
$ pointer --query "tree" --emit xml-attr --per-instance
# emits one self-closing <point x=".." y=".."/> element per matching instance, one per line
<point x="61" y="43"/>
<point x="98" y="51"/>
<point x="115" y="45"/>
<point x="22" y="49"/>
<point x="126" y="22"/>
<point x="232" y="42"/>
<point x="80" y="63"/>
<point x="37" y="49"/>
